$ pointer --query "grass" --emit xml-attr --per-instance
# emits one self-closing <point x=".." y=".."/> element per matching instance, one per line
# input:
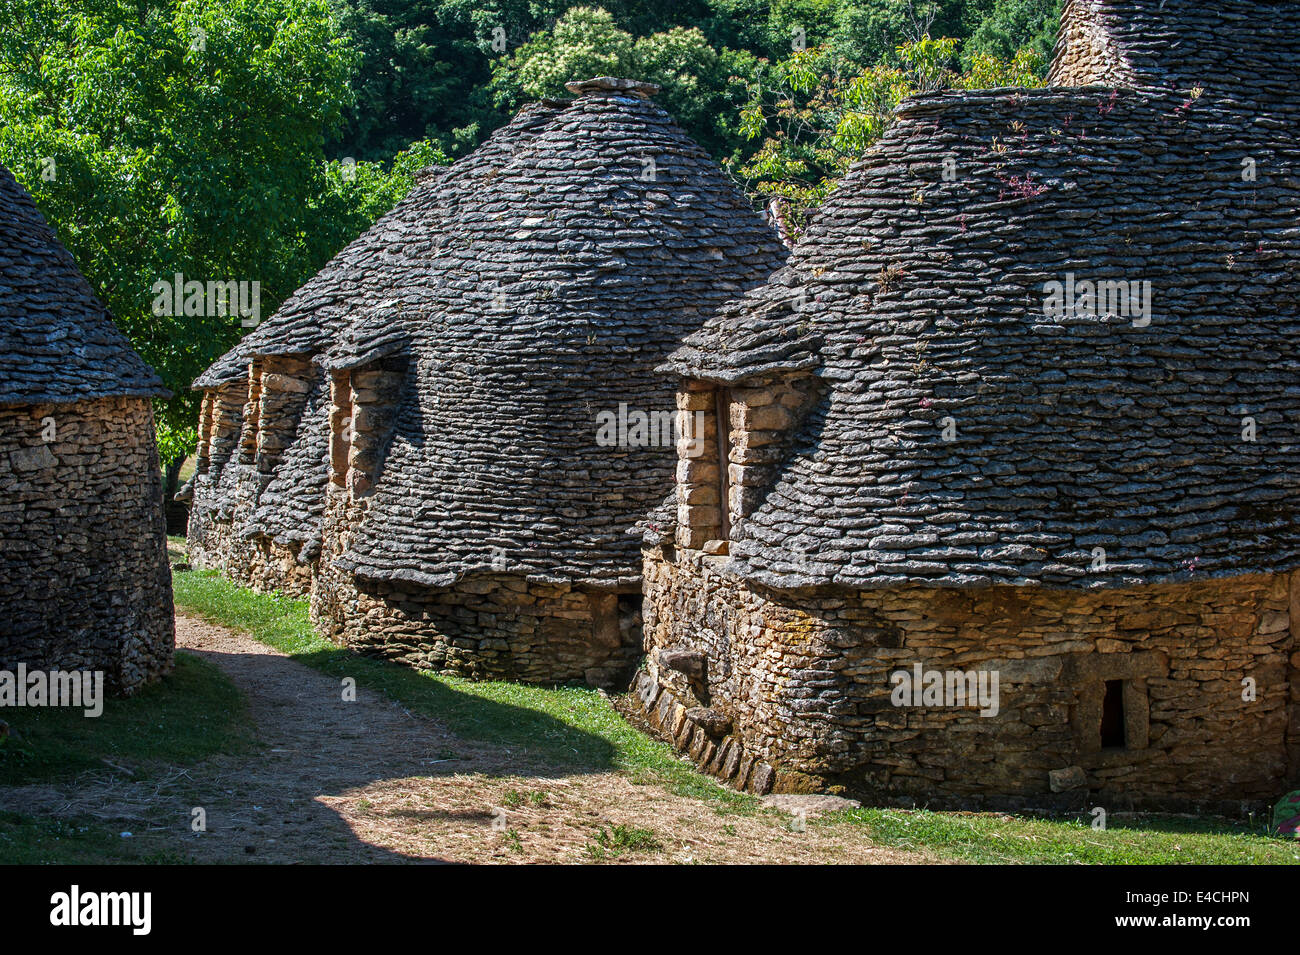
<point x="618" y="840"/>
<point x="29" y="841"/>
<point x="1137" y="840"/>
<point x="577" y="729"/>
<point x="514" y="842"/>
<point x="194" y="713"/>
<point x="573" y="728"/>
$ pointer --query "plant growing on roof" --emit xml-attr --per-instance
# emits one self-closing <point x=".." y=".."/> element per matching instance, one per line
<point x="817" y="113"/>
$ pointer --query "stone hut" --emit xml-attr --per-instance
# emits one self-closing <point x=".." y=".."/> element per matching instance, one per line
<point x="477" y="426"/>
<point x="1022" y="406"/>
<point x="84" y="578"/>
<point x="258" y="495"/>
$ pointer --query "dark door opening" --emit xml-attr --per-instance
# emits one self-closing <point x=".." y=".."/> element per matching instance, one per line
<point x="1112" y="716"/>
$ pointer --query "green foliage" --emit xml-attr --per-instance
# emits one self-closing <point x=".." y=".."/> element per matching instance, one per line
<point x="585" y="42"/>
<point x="816" y="113"/>
<point x="419" y="77"/>
<point x="1001" y="28"/>
<point x="181" y="137"/>
<point x="610" y="843"/>
<point x="175" y="444"/>
<point x="370" y="189"/>
<point x="700" y="86"/>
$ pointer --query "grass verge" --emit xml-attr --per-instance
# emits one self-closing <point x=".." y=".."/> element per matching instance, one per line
<point x="194" y="713"/>
<point x="563" y="728"/>
<point x="1137" y="839"/>
<point x="29" y="841"/>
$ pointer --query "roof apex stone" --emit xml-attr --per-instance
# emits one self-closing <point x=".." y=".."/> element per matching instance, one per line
<point x="611" y="84"/>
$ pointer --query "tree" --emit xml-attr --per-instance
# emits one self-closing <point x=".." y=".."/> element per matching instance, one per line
<point x="418" y="77"/>
<point x="815" y="114"/>
<point x="700" y="86"/>
<point x="178" y="136"/>
<point x="450" y="70"/>
<point x="1001" y="28"/>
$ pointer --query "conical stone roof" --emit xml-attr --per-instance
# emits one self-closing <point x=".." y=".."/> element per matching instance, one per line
<point x="565" y="269"/>
<point x="533" y="285"/>
<point x="1246" y="48"/>
<point x="970" y="434"/>
<point x="58" y="343"/>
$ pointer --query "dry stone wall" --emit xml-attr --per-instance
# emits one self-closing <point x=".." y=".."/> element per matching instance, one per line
<point x="247" y="429"/>
<point x="84" y="577"/>
<point x="487" y="626"/>
<point x="493" y="626"/>
<point x="792" y="691"/>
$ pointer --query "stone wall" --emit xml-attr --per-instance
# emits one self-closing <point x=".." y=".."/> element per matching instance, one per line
<point x="255" y="561"/>
<point x="493" y="627"/>
<point x="1085" y="53"/>
<point x="244" y="429"/>
<point x="792" y="690"/>
<point x="84" y="577"/>
<point x="487" y="626"/>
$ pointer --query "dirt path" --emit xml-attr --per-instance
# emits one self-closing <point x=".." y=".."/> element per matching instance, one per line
<point x="366" y="781"/>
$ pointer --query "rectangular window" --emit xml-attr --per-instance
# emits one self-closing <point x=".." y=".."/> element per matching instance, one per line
<point x="340" y="427"/>
<point x="722" y="408"/>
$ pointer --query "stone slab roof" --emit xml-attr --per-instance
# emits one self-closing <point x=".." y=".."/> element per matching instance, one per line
<point x="58" y="343"/>
<point x="921" y="301"/>
<point x="530" y="286"/>
<point x="1250" y="48"/>
<point x="291" y="507"/>
<point x="570" y="256"/>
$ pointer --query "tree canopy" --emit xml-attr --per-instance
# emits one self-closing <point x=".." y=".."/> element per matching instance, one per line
<point x="250" y="140"/>
<point x="185" y="138"/>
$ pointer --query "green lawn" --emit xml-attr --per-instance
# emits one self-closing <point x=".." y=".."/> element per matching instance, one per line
<point x="1131" y="840"/>
<point x="194" y="713"/>
<point x="574" y="728"/>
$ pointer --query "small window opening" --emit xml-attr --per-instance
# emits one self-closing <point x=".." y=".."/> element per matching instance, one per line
<point x="722" y="408"/>
<point x="340" y="428"/>
<point x="1112" y="716"/>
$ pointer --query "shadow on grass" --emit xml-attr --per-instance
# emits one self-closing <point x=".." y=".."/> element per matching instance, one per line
<point x="540" y="734"/>
<point x="542" y="729"/>
<point x="194" y="713"/>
